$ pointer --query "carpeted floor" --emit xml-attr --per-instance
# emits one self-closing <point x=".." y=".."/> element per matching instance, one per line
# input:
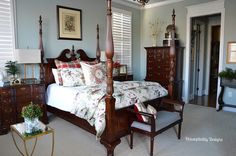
<point x="205" y="133"/>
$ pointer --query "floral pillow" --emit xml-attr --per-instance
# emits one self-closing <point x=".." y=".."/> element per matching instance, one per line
<point x="60" y="65"/>
<point x="93" y="74"/>
<point x="72" y="77"/>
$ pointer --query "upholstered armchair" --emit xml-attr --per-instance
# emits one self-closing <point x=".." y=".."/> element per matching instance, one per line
<point x="169" y="116"/>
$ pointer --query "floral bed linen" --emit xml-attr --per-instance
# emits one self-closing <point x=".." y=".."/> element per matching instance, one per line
<point x="89" y="103"/>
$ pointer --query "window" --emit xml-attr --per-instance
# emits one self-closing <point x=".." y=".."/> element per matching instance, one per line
<point x="122" y="36"/>
<point x="6" y="31"/>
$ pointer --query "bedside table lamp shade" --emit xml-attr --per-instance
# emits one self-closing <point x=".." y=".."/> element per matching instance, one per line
<point x="28" y="56"/>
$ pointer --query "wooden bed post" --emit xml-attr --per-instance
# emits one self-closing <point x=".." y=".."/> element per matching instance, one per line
<point x="98" y="51"/>
<point x="42" y="50"/>
<point x="110" y="141"/>
<point x="172" y="58"/>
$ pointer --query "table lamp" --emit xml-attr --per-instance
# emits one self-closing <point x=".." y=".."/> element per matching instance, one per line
<point x="28" y="57"/>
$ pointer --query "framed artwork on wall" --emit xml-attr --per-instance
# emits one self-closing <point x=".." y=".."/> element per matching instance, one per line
<point x="69" y="23"/>
<point x="123" y="69"/>
<point x="231" y="52"/>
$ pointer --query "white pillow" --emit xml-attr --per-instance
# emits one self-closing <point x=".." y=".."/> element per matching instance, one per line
<point x="152" y="110"/>
<point x="72" y="77"/>
<point x="93" y="74"/>
<point x="55" y="75"/>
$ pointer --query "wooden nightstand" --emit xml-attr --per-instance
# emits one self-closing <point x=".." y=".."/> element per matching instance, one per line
<point x="13" y="98"/>
<point x="123" y="78"/>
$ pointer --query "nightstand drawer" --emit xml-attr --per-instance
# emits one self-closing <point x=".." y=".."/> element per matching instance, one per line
<point x="38" y="99"/>
<point x="123" y="78"/>
<point x="6" y="93"/>
<point x="39" y="89"/>
<point x="23" y="90"/>
<point x="7" y="101"/>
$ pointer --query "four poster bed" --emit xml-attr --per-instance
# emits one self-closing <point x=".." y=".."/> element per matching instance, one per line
<point x="117" y="120"/>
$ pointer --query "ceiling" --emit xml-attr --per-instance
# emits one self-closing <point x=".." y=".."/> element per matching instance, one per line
<point x="151" y="3"/>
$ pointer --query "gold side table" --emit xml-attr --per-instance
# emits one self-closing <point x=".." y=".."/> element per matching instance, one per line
<point x="19" y="129"/>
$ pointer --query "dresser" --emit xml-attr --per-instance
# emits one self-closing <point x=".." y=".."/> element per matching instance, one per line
<point x="13" y="98"/>
<point x="158" y="68"/>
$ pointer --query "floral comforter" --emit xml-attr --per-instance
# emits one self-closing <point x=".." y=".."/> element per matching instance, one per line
<point x="89" y="104"/>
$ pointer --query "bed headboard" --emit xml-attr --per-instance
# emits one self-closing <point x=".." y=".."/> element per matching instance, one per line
<point x="68" y="55"/>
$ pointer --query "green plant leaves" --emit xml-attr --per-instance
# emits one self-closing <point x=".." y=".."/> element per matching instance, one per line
<point x="11" y="68"/>
<point x="31" y="111"/>
<point x="228" y="73"/>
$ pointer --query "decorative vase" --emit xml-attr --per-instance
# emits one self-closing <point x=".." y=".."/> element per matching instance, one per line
<point x="228" y="82"/>
<point x="154" y="41"/>
<point x="1" y="76"/>
<point x="14" y="80"/>
<point x="31" y="125"/>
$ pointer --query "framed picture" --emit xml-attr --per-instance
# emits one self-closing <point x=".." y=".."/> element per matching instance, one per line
<point x="123" y="70"/>
<point x="231" y="52"/>
<point x="69" y="23"/>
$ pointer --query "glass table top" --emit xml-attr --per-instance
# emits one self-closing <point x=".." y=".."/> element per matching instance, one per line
<point x="20" y="130"/>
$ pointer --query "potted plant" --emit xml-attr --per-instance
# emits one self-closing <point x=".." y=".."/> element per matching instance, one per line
<point x="31" y="114"/>
<point x="228" y="76"/>
<point x="12" y="70"/>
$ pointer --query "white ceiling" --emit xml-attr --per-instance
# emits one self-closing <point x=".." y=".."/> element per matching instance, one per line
<point x="150" y="4"/>
<point x="150" y="1"/>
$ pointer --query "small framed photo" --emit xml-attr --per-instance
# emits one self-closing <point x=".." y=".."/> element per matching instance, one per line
<point x="69" y="23"/>
<point x="231" y="52"/>
<point x="123" y="69"/>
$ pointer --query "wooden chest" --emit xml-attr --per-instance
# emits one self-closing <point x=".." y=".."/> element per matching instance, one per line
<point x="13" y="98"/>
<point x="158" y="67"/>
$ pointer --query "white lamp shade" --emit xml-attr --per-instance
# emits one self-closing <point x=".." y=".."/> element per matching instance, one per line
<point x="103" y="56"/>
<point x="27" y="56"/>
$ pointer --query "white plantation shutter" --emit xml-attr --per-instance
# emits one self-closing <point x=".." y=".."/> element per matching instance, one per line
<point x="122" y="36"/>
<point x="6" y="32"/>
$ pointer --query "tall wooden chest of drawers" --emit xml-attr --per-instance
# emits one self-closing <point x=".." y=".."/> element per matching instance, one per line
<point x="13" y="98"/>
<point x="158" y="67"/>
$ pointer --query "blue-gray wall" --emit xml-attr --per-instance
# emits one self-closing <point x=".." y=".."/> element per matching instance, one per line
<point x="28" y="12"/>
<point x="93" y="12"/>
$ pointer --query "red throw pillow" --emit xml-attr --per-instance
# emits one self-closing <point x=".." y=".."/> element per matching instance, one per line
<point x="60" y="65"/>
<point x="140" y="107"/>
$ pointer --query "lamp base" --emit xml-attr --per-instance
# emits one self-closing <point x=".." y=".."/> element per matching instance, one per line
<point x="15" y="81"/>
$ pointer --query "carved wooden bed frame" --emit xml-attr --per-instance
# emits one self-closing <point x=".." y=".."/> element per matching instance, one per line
<point x="117" y="121"/>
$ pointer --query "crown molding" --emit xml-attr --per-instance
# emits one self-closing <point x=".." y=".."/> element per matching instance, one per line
<point x="157" y="4"/>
